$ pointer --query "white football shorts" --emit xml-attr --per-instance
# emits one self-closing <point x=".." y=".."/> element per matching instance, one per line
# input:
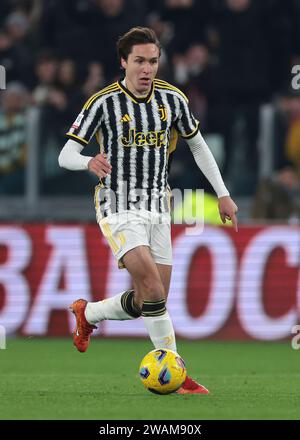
<point x="127" y="230"/>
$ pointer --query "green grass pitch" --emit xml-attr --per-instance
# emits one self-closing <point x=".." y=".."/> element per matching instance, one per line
<point x="49" y="379"/>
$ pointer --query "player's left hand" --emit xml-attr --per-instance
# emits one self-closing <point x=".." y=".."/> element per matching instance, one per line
<point x="228" y="210"/>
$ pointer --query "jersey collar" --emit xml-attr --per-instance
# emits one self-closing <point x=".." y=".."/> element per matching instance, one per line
<point x="134" y="98"/>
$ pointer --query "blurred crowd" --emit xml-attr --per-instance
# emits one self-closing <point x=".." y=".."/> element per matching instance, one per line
<point x="230" y="57"/>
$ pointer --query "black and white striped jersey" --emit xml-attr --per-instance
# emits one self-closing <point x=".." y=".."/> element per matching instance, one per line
<point x="137" y="135"/>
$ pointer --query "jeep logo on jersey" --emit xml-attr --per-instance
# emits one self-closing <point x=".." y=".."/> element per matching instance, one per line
<point x="140" y="139"/>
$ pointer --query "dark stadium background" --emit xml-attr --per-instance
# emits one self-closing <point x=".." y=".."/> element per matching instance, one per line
<point x="235" y="297"/>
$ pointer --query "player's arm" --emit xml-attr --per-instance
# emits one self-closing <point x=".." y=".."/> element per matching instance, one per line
<point x="80" y="134"/>
<point x="71" y="158"/>
<point x="207" y="164"/>
<point x="188" y="127"/>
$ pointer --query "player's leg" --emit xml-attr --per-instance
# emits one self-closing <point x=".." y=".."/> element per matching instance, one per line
<point x="123" y="233"/>
<point x="150" y="296"/>
<point x="145" y="275"/>
<point x="122" y="238"/>
<point x="165" y="272"/>
<point x="125" y="305"/>
<point x="133" y="232"/>
<point x="162" y="253"/>
<point x="126" y="233"/>
<point x="161" y="250"/>
<point x="120" y="307"/>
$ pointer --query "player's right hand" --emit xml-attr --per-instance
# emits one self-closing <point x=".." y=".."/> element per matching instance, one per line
<point x="99" y="166"/>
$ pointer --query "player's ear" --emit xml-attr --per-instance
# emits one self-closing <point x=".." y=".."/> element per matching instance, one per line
<point x="123" y="63"/>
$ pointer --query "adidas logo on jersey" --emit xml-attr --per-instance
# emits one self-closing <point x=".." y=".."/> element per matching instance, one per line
<point x="126" y="118"/>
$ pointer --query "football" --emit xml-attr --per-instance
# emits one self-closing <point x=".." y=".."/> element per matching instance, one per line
<point x="162" y="371"/>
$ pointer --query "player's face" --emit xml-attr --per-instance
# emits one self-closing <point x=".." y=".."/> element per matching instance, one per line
<point x="141" y="67"/>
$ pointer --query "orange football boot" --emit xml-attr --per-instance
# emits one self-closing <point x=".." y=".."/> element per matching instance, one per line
<point x="190" y="386"/>
<point x="83" y="330"/>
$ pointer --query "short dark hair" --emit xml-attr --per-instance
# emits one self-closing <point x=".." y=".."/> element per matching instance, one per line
<point x="136" y="35"/>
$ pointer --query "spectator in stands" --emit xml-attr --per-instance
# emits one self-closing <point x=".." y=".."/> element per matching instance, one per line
<point x="172" y="16"/>
<point x="16" y="25"/>
<point x="114" y="18"/>
<point x="66" y="75"/>
<point x="292" y="140"/>
<point x="46" y="73"/>
<point x="232" y="55"/>
<point x="48" y="94"/>
<point x="55" y="125"/>
<point x="13" y="139"/>
<point x="84" y="30"/>
<point x="15" y="58"/>
<point x="195" y="74"/>
<point x="287" y="130"/>
<point x="51" y="96"/>
<point x="93" y="82"/>
<point x="64" y="27"/>
<point x="278" y="197"/>
<point x="243" y="85"/>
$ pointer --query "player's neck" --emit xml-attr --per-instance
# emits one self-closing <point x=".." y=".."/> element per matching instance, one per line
<point x="130" y="87"/>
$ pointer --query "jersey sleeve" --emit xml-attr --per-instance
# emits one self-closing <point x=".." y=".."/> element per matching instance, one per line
<point x="87" y="122"/>
<point x="186" y="124"/>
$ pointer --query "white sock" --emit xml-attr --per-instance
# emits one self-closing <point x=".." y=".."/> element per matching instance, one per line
<point x="110" y="308"/>
<point x="161" y="331"/>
